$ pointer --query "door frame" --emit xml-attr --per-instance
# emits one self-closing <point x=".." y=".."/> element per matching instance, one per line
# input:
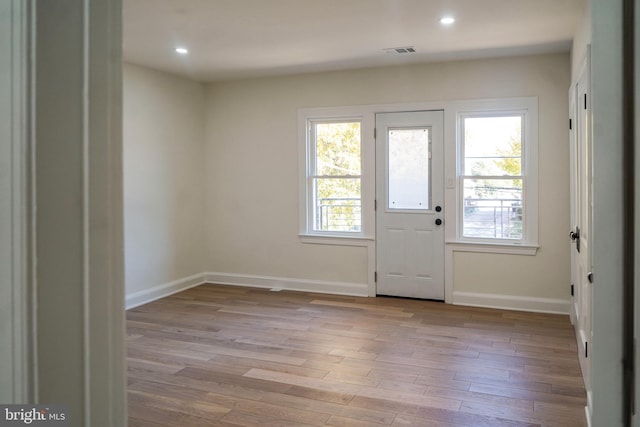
<point x="449" y="167"/>
<point x="577" y="104"/>
<point x="16" y="380"/>
<point x="382" y="185"/>
<point x="89" y="334"/>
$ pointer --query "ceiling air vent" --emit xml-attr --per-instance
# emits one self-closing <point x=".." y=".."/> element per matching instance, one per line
<point x="403" y="50"/>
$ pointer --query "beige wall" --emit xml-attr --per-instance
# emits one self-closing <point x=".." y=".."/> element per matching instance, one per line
<point x="163" y="134"/>
<point x="251" y="155"/>
<point x="581" y="39"/>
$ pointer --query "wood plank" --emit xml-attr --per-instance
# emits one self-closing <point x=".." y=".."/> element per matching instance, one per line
<point x="429" y="414"/>
<point x="337" y="409"/>
<point x="264" y="409"/>
<point x="336" y="386"/>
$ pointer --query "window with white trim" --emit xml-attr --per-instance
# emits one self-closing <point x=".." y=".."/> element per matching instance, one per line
<point x="497" y="176"/>
<point x="334" y="177"/>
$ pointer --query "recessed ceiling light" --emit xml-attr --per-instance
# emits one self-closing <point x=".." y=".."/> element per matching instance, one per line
<point x="447" y="20"/>
<point x="181" y="50"/>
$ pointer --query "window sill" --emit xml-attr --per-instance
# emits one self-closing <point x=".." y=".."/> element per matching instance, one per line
<point x="493" y="248"/>
<point x="335" y="240"/>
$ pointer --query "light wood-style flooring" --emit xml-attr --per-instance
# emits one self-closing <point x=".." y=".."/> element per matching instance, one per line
<point x="230" y="356"/>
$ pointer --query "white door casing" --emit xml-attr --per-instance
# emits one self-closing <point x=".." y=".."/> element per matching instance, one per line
<point x="573" y="204"/>
<point x="410" y="206"/>
<point x="15" y="313"/>
<point x="581" y="218"/>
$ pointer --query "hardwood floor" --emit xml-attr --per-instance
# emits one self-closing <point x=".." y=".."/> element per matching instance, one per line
<point x="229" y="356"/>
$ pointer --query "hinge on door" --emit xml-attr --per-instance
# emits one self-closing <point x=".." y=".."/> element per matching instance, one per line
<point x="585" y="101"/>
<point x="375" y="133"/>
<point x="586" y="349"/>
<point x="375" y="205"/>
<point x="570" y="126"/>
<point x="572" y="289"/>
<point x="375" y="276"/>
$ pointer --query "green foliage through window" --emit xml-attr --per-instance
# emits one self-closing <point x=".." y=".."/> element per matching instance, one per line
<point x="336" y="176"/>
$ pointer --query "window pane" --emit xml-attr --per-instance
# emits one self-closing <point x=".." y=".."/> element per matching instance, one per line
<point x="409" y="169"/>
<point x="337" y="204"/>
<point x="337" y="148"/>
<point x="493" y="146"/>
<point x="493" y="208"/>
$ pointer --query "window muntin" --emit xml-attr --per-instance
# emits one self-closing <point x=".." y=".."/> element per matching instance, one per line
<point x="335" y="177"/>
<point x="493" y="179"/>
<point x="409" y="168"/>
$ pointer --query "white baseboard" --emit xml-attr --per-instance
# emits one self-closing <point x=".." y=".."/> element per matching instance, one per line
<point x="506" y="302"/>
<point x="160" y="291"/>
<point x="281" y="283"/>
<point x="509" y="302"/>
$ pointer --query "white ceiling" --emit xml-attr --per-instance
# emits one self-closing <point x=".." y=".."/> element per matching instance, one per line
<point x="231" y="39"/>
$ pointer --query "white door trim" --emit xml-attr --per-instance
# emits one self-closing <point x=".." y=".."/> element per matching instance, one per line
<point x="606" y="118"/>
<point x="416" y="278"/>
<point x="15" y="378"/>
<point x="77" y="188"/>
<point x="583" y="196"/>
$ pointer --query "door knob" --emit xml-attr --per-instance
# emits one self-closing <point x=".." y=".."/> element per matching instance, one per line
<point x="438" y="221"/>
<point x="575" y="237"/>
<point x="438" y="208"/>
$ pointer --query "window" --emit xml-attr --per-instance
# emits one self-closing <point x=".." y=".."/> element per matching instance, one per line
<point x="409" y="168"/>
<point x="497" y="177"/>
<point x="334" y="176"/>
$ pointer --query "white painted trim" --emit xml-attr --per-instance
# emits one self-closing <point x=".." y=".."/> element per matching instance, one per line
<point x="607" y="232"/>
<point x="367" y="175"/>
<point x="304" y="285"/>
<point x="528" y="108"/>
<point x="164" y="290"/>
<point x="31" y="200"/>
<point x="81" y="259"/>
<point x="105" y="351"/>
<point x="23" y="309"/>
<point x="87" y="325"/>
<point x="492" y="248"/>
<point x="16" y="337"/>
<point x="335" y="240"/>
<point x="510" y="302"/>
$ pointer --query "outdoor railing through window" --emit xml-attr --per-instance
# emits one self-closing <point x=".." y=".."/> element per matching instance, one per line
<point x="494" y="218"/>
<point x="338" y="214"/>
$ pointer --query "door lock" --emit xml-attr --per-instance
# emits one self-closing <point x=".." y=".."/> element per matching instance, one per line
<point x="438" y="221"/>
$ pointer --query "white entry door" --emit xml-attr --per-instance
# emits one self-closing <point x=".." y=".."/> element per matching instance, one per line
<point x="409" y="204"/>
